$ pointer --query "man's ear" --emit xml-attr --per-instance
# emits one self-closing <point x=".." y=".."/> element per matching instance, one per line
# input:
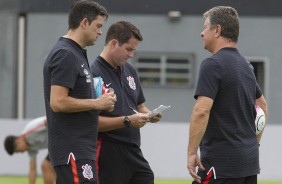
<point x="114" y="43"/>
<point x="218" y="30"/>
<point x="84" y="23"/>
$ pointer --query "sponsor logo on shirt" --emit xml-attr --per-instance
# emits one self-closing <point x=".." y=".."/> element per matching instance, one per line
<point x="87" y="75"/>
<point x="107" y="85"/>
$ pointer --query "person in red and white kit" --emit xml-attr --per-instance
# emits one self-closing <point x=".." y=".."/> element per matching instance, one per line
<point x="33" y="138"/>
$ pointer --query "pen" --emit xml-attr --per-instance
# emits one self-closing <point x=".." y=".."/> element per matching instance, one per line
<point x="136" y="112"/>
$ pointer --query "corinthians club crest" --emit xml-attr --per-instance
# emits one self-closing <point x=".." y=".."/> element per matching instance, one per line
<point x="131" y="82"/>
<point x="87" y="171"/>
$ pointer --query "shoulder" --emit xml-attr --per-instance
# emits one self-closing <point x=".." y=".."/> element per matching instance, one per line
<point x="64" y="48"/>
<point x="96" y="66"/>
<point x="95" y="62"/>
<point x="210" y="63"/>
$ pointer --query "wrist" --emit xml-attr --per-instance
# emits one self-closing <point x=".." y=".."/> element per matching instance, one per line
<point x="126" y="122"/>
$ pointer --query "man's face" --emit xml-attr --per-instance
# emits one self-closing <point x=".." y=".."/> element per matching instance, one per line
<point x="94" y="30"/>
<point x="20" y="145"/>
<point x="125" y="51"/>
<point x="208" y="34"/>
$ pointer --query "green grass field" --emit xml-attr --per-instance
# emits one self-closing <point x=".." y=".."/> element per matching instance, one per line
<point x="24" y="180"/>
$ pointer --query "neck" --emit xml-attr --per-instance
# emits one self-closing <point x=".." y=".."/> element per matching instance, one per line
<point x="73" y="35"/>
<point x="106" y="55"/>
<point x="223" y="44"/>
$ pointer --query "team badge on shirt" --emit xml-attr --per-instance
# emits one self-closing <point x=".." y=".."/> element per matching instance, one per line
<point x="131" y="82"/>
<point x="87" y="171"/>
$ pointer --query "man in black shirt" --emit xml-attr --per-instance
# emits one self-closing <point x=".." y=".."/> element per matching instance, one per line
<point x="71" y="105"/>
<point x="222" y="121"/>
<point x="120" y="160"/>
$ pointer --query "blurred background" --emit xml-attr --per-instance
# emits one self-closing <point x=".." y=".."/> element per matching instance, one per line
<point x="167" y="61"/>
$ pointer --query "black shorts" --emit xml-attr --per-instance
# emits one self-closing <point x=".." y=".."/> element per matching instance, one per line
<point x="207" y="177"/>
<point x="122" y="164"/>
<point x="76" y="172"/>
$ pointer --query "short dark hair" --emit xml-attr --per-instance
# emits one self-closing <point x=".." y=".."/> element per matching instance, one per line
<point x="9" y="144"/>
<point x="81" y="9"/>
<point x="122" y="31"/>
<point x="227" y="17"/>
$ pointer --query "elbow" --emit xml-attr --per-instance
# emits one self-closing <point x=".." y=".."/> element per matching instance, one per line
<point x="202" y="112"/>
<point x="203" y="115"/>
<point x="56" y="106"/>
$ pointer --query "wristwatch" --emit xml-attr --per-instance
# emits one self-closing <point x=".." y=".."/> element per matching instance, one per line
<point x="126" y="121"/>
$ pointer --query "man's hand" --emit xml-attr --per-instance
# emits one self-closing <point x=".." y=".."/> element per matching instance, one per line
<point x="138" y="120"/>
<point x="107" y="101"/>
<point x="156" y="118"/>
<point x="193" y="163"/>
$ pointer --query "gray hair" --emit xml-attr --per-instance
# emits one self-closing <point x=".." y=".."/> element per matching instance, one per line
<point x="227" y="18"/>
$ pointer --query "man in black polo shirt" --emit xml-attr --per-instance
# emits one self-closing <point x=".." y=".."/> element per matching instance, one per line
<point x="222" y="121"/>
<point x="119" y="159"/>
<point x="71" y="105"/>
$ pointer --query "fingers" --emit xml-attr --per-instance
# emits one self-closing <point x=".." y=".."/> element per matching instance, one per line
<point x="201" y="167"/>
<point x="112" y="102"/>
<point x="193" y="162"/>
<point x="156" y="118"/>
<point x="193" y="174"/>
<point x="107" y="102"/>
<point x="139" y="120"/>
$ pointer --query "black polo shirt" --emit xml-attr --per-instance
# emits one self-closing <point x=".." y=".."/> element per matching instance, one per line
<point x="67" y="66"/>
<point x="229" y="143"/>
<point x="126" y="84"/>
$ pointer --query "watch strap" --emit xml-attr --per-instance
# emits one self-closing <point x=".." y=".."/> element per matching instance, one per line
<point x="126" y="121"/>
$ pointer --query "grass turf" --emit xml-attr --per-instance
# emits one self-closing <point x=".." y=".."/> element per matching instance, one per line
<point x="24" y="180"/>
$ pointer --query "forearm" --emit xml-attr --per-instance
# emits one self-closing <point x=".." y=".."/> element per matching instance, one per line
<point x="110" y="123"/>
<point x="143" y="109"/>
<point x="60" y="101"/>
<point x="137" y="120"/>
<point x="71" y="105"/>
<point x="198" y="125"/>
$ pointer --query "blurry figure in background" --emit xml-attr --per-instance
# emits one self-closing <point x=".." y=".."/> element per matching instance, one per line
<point x="33" y="138"/>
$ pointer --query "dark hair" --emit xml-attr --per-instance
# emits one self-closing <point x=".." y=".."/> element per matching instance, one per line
<point x="227" y="18"/>
<point x="122" y="31"/>
<point x="85" y="9"/>
<point x="9" y="144"/>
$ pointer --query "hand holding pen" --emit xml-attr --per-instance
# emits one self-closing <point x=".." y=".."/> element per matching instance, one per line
<point x="138" y="119"/>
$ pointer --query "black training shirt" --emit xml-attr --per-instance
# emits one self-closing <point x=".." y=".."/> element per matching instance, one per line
<point x="229" y="143"/>
<point x="125" y="81"/>
<point x="67" y="66"/>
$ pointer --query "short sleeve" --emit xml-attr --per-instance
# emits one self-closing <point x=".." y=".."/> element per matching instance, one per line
<point x="32" y="153"/>
<point x="63" y="69"/>
<point x="209" y="79"/>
